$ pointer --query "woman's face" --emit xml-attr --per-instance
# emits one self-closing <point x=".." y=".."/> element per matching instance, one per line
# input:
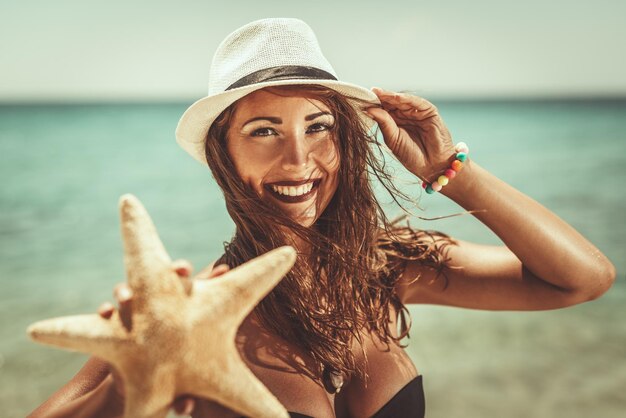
<point x="282" y="146"/>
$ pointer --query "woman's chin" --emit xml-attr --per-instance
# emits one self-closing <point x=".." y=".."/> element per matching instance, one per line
<point x="306" y="223"/>
<point x="303" y="219"/>
<point x="304" y="213"/>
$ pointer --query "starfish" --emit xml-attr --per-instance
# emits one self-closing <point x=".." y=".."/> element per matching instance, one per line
<point x="179" y="342"/>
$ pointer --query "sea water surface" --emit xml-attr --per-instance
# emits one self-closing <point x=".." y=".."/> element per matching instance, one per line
<point x="64" y="167"/>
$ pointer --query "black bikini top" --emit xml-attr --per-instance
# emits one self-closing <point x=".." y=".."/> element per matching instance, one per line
<point x="409" y="402"/>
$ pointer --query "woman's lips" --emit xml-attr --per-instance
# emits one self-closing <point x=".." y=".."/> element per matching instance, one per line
<point x="293" y="199"/>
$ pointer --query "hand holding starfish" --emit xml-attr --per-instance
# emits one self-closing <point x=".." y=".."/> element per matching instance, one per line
<point x="184" y="404"/>
<point x="179" y="340"/>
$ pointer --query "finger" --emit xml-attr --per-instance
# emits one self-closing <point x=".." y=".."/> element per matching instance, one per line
<point x="122" y="292"/>
<point x="106" y="310"/>
<point x="124" y="296"/>
<point x="408" y="123"/>
<point x="407" y="108"/>
<point x="383" y="96"/>
<point x="386" y="123"/>
<point x="398" y="96"/>
<point x="219" y="270"/>
<point x="184" y="405"/>
<point x="409" y="111"/>
<point x="388" y="105"/>
<point x="182" y="267"/>
<point x="417" y="119"/>
<point x="212" y="271"/>
<point x="404" y="101"/>
<point x="414" y="104"/>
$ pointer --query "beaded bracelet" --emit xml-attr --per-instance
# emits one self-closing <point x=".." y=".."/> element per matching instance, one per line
<point x="461" y="155"/>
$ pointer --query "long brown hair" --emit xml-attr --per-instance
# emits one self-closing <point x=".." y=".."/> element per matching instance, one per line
<point x="347" y="280"/>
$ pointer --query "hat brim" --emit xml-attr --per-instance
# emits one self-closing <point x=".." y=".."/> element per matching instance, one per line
<point x="195" y="122"/>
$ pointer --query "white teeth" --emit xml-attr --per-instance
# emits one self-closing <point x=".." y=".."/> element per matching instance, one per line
<point x="293" y="190"/>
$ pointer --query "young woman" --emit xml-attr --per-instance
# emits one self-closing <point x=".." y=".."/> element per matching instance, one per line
<point x="291" y="148"/>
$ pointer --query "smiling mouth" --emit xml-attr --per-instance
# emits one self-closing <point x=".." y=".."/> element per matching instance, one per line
<point x="292" y="192"/>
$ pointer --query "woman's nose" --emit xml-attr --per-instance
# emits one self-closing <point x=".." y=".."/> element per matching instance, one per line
<point x="295" y="153"/>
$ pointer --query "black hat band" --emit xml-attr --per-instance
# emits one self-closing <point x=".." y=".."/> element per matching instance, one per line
<point x="284" y="72"/>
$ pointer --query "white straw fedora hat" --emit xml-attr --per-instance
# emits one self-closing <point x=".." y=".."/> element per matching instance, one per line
<point x="263" y="53"/>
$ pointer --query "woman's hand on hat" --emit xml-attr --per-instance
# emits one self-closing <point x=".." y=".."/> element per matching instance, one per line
<point x="414" y="131"/>
<point x="183" y="405"/>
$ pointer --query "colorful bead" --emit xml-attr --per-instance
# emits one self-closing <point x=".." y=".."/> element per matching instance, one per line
<point x="461" y="147"/>
<point x="462" y="150"/>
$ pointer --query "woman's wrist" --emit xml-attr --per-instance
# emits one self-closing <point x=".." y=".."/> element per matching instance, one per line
<point x="463" y="184"/>
<point x="102" y="401"/>
<point x="449" y="172"/>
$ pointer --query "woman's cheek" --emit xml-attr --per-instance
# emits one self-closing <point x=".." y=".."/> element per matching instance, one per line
<point x="327" y="156"/>
<point x="252" y="163"/>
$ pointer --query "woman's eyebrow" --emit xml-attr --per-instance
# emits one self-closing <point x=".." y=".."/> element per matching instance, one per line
<point x="316" y="115"/>
<point x="278" y="121"/>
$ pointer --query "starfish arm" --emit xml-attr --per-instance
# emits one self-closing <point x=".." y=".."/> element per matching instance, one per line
<point x="150" y="391"/>
<point x="84" y="333"/>
<point x="233" y="385"/>
<point x="151" y="358"/>
<point x="148" y="266"/>
<point x="233" y="295"/>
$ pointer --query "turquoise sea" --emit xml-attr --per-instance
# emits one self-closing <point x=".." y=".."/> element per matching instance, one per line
<point x="63" y="168"/>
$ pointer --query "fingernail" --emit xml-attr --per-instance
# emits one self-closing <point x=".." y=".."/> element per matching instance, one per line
<point x="125" y="293"/>
<point x="222" y="268"/>
<point x="105" y="309"/>
<point x="182" y="271"/>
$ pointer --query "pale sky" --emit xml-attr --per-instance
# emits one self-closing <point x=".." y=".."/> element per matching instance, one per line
<point x="87" y="50"/>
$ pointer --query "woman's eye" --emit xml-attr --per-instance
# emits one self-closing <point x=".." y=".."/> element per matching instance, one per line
<point x="316" y="127"/>
<point x="319" y="127"/>
<point x="263" y="132"/>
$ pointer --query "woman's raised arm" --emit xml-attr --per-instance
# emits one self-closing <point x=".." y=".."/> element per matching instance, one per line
<point x="545" y="263"/>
